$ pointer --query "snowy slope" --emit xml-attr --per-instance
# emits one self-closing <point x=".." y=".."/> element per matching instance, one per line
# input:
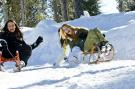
<point x="123" y="39"/>
<point x="40" y="74"/>
<point x="111" y="75"/>
<point x="123" y="22"/>
<point x="49" y="51"/>
<point x="105" y="22"/>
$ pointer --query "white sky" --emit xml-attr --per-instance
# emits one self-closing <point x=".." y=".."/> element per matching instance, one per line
<point x="108" y="6"/>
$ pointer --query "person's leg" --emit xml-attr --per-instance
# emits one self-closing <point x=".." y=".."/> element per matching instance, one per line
<point x="25" y="53"/>
<point x="38" y="41"/>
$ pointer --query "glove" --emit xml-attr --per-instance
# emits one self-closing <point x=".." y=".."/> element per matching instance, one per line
<point x="4" y="44"/>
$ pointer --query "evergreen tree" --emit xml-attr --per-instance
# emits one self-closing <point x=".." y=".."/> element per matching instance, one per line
<point x="1" y="11"/>
<point x="34" y="12"/>
<point x="122" y="5"/>
<point x="131" y="5"/>
<point x="56" y="8"/>
<point x="13" y="10"/>
<point x="64" y="10"/>
<point x="126" y="5"/>
<point x="78" y="6"/>
<point x="74" y="8"/>
<point x="92" y="6"/>
<point x="71" y="10"/>
<point x="24" y="12"/>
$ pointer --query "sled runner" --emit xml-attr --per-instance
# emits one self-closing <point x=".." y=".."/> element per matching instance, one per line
<point x="102" y="53"/>
<point x="16" y="59"/>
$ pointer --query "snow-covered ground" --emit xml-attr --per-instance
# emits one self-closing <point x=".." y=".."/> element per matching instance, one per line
<point x="41" y="74"/>
<point x="112" y="75"/>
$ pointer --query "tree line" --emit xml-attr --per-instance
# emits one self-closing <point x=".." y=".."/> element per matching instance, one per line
<point x="30" y="12"/>
<point x="126" y="5"/>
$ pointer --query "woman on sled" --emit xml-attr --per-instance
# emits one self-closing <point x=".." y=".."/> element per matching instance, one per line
<point x="11" y="39"/>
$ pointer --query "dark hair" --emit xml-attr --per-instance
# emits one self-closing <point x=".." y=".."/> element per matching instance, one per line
<point x="17" y="32"/>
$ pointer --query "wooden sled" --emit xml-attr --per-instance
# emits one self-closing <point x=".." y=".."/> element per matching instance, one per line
<point x="16" y="59"/>
<point x="101" y="56"/>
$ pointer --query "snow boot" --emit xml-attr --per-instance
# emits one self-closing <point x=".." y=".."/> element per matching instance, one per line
<point x="38" y="41"/>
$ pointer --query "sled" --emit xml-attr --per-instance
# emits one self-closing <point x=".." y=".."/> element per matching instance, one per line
<point x="104" y="53"/>
<point x="15" y="59"/>
<point x="91" y="42"/>
<point x="98" y="47"/>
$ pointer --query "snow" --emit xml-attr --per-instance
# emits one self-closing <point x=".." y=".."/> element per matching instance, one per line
<point x="41" y="74"/>
<point x="124" y="37"/>
<point x="111" y="75"/>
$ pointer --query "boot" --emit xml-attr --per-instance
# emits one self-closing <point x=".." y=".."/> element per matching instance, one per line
<point x="38" y="41"/>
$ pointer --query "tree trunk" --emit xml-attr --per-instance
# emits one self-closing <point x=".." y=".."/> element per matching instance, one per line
<point x="64" y="10"/>
<point x="78" y="8"/>
<point x="5" y="13"/>
<point x="22" y="14"/>
<point x="55" y="9"/>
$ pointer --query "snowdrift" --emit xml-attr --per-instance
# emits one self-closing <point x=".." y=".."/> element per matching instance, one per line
<point x="119" y="27"/>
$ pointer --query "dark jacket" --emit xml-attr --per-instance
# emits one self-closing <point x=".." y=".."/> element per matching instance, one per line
<point x="15" y="43"/>
<point x="81" y="37"/>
